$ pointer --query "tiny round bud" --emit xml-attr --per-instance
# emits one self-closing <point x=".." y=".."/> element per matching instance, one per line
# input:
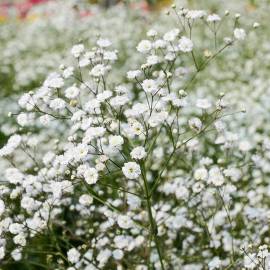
<point x="221" y="95"/>
<point x="237" y="15"/>
<point x="207" y="53"/>
<point x="243" y="110"/>
<point x="169" y="74"/>
<point x="173" y="6"/>
<point x="9" y="114"/>
<point x="227" y="12"/>
<point x="256" y="25"/>
<point x="182" y="93"/>
<point x="73" y="103"/>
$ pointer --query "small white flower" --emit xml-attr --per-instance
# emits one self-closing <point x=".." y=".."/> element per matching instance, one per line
<point x="131" y="170"/>
<point x="85" y="200"/>
<point x="116" y="141"/>
<point x="72" y="92"/>
<point x="215" y="263"/>
<point x="132" y="74"/>
<point x="2" y="207"/>
<point x="77" y="50"/>
<point x="213" y="18"/>
<point x="124" y="222"/>
<point x="98" y="70"/>
<point x="203" y="103"/>
<point x="90" y="176"/>
<point x="239" y="33"/>
<point x="84" y="62"/>
<point x="216" y="177"/>
<point x="68" y="72"/>
<point x="138" y="153"/>
<point x="2" y="253"/>
<point x="150" y="86"/>
<point x="171" y="35"/>
<point x="195" y="124"/>
<point x="185" y="44"/>
<point x="104" y="43"/>
<point x="201" y="174"/>
<point x="151" y="33"/>
<point x="118" y="254"/>
<point x="57" y="104"/>
<point x="73" y="255"/>
<point x="144" y="46"/>
<point x="152" y="60"/>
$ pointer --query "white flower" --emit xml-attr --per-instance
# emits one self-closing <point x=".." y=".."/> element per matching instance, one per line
<point x="213" y="18"/>
<point x="185" y="44"/>
<point x="104" y="256"/>
<point x="110" y="55"/>
<point x="195" y="124"/>
<point x="16" y="228"/>
<point x="136" y="128"/>
<point x="16" y="254"/>
<point x="84" y="62"/>
<point x="2" y="253"/>
<point x="250" y="261"/>
<point x="138" y="153"/>
<point x="151" y="33"/>
<point x="144" y="46"/>
<point x="171" y="35"/>
<point x="104" y="95"/>
<point x="203" y="103"/>
<point x="131" y="170"/>
<point x="152" y="60"/>
<point x="2" y="207"/>
<point x="195" y="14"/>
<point x="197" y="187"/>
<point x="77" y="50"/>
<point x="45" y="119"/>
<point x="239" y="33"/>
<point x="104" y="43"/>
<point x="68" y="72"/>
<point x="119" y="101"/>
<point x="23" y="119"/>
<point x="19" y="239"/>
<point x="14" y="141"/>
<point x="90" y="176"/>
<point x="215" y="263"/>
<point x="118" y="254"/>
<point x="149" y="86"/>
<point x="85" y="200"/>
<point x="116" y="141"/>
<point x="216" y="177"/>
<point x="25" y="100"/>
<point x="132" y="74"/>
<point x="201" y="174"/>
<point x="98" y="70"/>
<point x="54" y="81"/>
<point x="81" y="151"/>
<point x="57" y="104"/>
<point x="73" y="255"/>
<point x="124" y="222"/>
<point x="72" y="92"/>
<point x="14" y="176"/>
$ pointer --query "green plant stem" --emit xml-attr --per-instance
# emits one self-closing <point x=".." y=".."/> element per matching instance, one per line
<point x="154" y="229"/>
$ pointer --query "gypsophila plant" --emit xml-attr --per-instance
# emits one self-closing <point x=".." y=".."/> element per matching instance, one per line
<point x="128" y="175"/>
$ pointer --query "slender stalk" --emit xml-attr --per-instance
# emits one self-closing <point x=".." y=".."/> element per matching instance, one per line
<point x="154" y="228"/>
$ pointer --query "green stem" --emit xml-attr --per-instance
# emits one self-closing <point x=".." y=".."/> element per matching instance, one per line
<point x="154" y="228"/>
